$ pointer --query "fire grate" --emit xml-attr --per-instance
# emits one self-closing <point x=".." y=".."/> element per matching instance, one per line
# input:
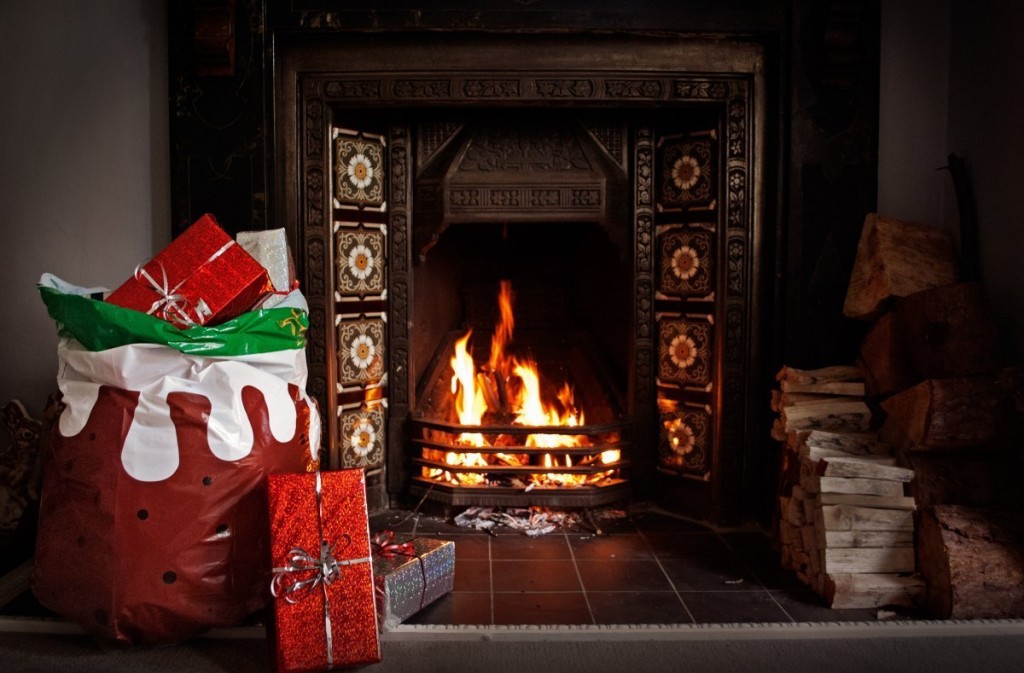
<point x="538" y="422"/>
<point x="537" y="476"/>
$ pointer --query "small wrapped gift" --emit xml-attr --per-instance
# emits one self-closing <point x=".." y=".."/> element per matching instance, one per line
<point x="324" y="611"/>
<point x="202" y="278"/>
<point x="270" y="248"/>
<point x="410" y="575"/>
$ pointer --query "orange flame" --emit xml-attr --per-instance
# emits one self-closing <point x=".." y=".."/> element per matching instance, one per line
<point x="521" y="381"/>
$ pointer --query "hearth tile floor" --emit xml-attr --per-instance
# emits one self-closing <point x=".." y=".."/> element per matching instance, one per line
<point x="647" y="568"/>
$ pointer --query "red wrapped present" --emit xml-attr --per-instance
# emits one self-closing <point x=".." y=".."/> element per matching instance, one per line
<point x="324" y="611"/>
<point x="202" y="278"/>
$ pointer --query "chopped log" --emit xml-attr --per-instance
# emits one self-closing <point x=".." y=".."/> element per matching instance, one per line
<point x="876" y="501"/>
<point x="879" y="487"/>
<point x="848" y="517"/>
<point x="947" y="331"/>
<point x="815" y="454"/>
<point x="982" y="479"/>
<point x="895" y="259"/>
<point x="821" y="375"/>
<point x="972" y="560"/>
<point x="845" y="388"/>
<point x="864" y="538"/>
<point x="872" y="590"/>
<point x="792" y="511"/>
<point x="868" y="560"/>
<point x="781" y="400"/>
<point x="860" y="468"/>
<point x="859" y="443"/>
<point x="944" y="414"/>
<point x="842" y="414"/>
<point x="886" y="366"/>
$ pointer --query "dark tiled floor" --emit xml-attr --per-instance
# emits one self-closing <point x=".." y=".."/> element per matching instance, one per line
<point x="649" y="568"/>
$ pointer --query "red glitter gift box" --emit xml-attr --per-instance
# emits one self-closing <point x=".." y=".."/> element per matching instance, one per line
<point x="324" y="610"/>
<point x="202" y="278"/>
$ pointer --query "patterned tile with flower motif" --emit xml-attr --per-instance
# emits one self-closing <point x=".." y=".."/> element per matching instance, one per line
<point x="684" y="443"/>
<point x="684" y="351"/>
<point x="360" y="351"/>
<point x="360" y="254"/>
<point x="362" y="437"/>
<point x="685" y="257"/>
<point x="358" y="168"/>
<point x="687" y="165"/>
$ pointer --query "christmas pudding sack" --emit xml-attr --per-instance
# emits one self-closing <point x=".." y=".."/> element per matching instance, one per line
<point x="153" y="522"/>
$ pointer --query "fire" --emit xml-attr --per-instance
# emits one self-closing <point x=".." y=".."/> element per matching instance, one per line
<point x="470" y="404"/>
<point x="505" y="388"/>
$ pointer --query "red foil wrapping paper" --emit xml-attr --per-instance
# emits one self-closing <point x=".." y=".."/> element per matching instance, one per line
<point x="203" y="278"/>
<point x="324" y="610"/>
<point x="155" y="562"/>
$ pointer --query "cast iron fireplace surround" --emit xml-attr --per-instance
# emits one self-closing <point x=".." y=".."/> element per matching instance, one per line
<point x="662" y="183"/>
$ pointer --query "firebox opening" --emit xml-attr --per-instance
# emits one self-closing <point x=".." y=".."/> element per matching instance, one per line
<point x="568" y="286"/>
<point x="567" y="277"/>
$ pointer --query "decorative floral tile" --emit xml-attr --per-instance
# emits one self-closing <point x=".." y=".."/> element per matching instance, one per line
<point x="685" y="440"/>
<point x="684" y="351"/>
<point x="360" y="351"/>
<point x="362" y="437"/>
<point x="360" y="261"/>
<point x="686" y="256"/>
<point x="688" y="165"/>
<point x="358" y="168"/>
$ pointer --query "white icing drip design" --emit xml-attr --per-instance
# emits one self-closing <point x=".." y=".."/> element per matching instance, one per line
<point x="150" y="450"/>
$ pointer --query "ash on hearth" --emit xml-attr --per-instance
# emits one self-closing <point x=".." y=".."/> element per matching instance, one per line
<point x="531" y="521"/>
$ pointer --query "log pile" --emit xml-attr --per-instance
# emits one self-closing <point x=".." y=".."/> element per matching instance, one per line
<point x="845" y="523"/>
<point x="950" y="411"/>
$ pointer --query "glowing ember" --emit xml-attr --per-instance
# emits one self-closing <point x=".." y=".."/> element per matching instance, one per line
<point x="508" y="390"/>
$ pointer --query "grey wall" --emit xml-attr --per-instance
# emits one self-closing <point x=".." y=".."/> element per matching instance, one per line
<point x="952" y="81"/>
<point x="986" y="102"/>
<point x="913" y="89"/>
<point x="83" y="163"/>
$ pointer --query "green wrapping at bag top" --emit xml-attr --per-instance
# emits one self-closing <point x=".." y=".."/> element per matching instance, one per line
<point x="98" y="326"/>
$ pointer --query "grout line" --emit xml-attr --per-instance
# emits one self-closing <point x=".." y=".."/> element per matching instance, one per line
<point x="579" y="577"/>
<point x="490" y="575"/>
<point x="664" y="572"/>
<point x="748" y="569"/>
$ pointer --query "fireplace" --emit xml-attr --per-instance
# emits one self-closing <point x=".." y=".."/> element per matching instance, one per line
<point x="613" y="182"/>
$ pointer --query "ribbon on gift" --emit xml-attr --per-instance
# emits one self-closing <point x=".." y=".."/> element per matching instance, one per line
<point x="295" y="580"/>
<point x="170" y="300"/>
<point x="303" y="572"/>
<point x="382" y="545"/>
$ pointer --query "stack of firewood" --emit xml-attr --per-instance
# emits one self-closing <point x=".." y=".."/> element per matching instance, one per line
<point x="845" y="524"/>
<point x="949" y="409"/>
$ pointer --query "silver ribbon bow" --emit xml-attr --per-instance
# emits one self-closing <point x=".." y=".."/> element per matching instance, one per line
<point x="303" y="572"/>
<point x="170" y="301"/>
